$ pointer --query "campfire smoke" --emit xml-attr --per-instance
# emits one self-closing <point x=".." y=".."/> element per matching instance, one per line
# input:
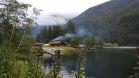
<point x="80" y="32"/>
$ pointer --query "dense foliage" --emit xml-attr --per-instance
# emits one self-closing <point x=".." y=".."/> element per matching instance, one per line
<point x="126" y="31"/>
<point x="114" y="21"/>
<point x="17" y="61"/>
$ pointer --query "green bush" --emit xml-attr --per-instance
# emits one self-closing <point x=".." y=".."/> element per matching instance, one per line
<point x="74" y="42"/>
<point x="110" y="44"/>
<point x="7" y="63"/>
<point x="13" y="67"/>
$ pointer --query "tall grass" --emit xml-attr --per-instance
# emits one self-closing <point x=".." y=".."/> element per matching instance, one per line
<point x="7" y="61"/>
<point x="12" y="67"/>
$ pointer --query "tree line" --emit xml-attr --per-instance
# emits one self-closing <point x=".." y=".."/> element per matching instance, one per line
<point x="125" y="31"/>
<point x="49" y="33"/>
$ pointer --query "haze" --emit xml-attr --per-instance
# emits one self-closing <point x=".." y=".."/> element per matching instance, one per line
<point x="62" y="8"/>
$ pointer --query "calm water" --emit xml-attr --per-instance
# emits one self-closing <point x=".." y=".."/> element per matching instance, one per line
<point x="106" y="63"/>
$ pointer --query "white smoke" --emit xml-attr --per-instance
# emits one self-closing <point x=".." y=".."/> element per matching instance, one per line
<point x="80" y="32"/>
<point x="68" y="35"/>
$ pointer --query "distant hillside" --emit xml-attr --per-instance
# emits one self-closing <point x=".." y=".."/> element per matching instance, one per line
<point x="100" y="19"/>
<point x="35" y="30"/>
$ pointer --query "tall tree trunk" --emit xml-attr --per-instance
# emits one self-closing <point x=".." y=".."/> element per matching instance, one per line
<point x="21" y="40"/>
<point x="12" y="33"/>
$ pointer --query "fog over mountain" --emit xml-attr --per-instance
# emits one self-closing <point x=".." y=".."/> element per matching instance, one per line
<point x="99" y="20"/>
<point x="54" y="19"/>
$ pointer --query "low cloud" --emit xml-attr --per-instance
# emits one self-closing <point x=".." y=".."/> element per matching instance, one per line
<point x="54" y="19"/>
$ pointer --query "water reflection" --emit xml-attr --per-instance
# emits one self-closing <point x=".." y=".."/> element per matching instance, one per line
<point x="136" y="68"/>
<point x="104" y="63"/>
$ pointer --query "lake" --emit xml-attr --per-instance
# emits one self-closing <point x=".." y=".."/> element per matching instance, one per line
<point x="104" y="63"/>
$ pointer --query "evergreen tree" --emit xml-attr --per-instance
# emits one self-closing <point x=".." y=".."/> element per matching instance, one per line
<point x="49" y="33"/>
<point x="70" y="27"/>
<point x="126" y="30"/>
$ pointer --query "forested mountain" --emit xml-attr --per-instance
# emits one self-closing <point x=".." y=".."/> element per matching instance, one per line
<point x="104" y="13"/>
<point x="115" y="21"/>
<point x="108" y="17"/>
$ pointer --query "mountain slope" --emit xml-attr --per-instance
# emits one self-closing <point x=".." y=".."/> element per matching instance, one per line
<point x="35" y="30"/>
<point x="100" y="19"/>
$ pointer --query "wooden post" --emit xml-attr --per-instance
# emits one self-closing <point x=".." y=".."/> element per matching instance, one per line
<point x="57" y="54"/>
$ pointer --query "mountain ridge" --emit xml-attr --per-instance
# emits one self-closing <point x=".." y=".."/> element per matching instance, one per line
<point x="103" y="17"/>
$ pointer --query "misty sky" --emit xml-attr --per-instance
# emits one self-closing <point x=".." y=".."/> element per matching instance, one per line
<point x="64" y="8"/>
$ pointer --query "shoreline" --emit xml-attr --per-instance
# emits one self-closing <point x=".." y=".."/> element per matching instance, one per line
<point x="122" y="47"/>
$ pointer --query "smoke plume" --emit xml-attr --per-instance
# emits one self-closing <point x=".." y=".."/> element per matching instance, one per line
<point x="80" y="32"/>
